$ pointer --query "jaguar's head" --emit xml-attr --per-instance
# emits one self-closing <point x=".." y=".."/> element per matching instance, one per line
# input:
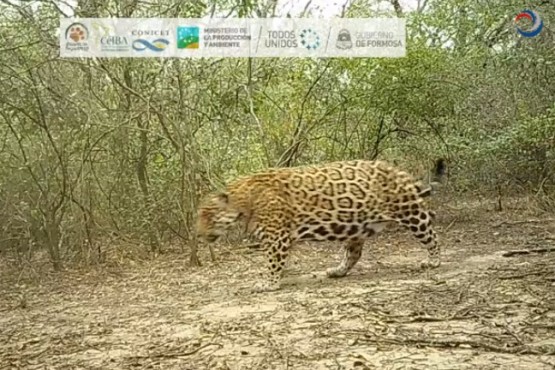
<point x="215" y="216"/>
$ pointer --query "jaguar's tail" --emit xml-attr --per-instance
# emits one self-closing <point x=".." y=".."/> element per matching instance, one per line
<point x="436" y="179"/>
<point x="439" y="171"/>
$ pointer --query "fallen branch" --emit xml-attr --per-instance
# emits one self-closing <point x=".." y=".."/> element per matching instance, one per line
<point x="526" y="274"/>
<point x="455" y="342"/>
<point x="527" y="251"/>
<point x="175" y="353"/>
<point x="520" y="222"/>
<point x="542" y="326"/>
<point x="424" y="318"/>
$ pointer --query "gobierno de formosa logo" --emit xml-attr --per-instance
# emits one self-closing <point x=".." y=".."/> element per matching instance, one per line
<point x="533" y="17"/>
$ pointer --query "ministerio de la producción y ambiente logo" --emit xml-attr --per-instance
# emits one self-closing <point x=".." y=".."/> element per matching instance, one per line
<point x="526" y="30"/>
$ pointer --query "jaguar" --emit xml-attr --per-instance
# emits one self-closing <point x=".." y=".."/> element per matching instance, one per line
<point x="346" y="201"/>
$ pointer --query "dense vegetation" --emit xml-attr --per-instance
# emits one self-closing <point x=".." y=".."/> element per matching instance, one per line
<point x="98" y="151"/>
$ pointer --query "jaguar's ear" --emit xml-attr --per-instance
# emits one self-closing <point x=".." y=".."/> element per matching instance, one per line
<point x="222" y="198"/>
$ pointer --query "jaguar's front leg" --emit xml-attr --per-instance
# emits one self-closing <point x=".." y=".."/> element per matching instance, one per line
<point x="277" y="250"/>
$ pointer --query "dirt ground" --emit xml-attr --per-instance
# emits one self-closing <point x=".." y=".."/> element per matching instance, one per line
<point x="479" y="310"/>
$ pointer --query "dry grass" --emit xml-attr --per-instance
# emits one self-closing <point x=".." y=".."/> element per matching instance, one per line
<point x="479" y="310"/>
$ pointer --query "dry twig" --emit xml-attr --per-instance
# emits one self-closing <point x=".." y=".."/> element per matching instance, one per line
<point x="528" y="251"/>
<point x="520" y="222"/>
<point x="457" y="342"/>
<point x="175" y="353"/>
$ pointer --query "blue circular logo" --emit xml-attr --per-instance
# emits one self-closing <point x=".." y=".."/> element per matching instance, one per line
<point x="532" y="16"/>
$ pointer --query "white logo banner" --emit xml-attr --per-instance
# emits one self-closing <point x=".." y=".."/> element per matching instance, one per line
<point x="232" y="37"/>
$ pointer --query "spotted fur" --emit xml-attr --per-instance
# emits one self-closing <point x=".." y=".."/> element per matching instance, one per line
<point x="347" y="201"/>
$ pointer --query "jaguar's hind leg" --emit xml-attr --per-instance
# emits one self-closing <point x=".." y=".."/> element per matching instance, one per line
<point x="351" y="254"/>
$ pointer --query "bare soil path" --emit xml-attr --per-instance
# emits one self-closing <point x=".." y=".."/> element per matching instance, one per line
<point x="479" y="310"/>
